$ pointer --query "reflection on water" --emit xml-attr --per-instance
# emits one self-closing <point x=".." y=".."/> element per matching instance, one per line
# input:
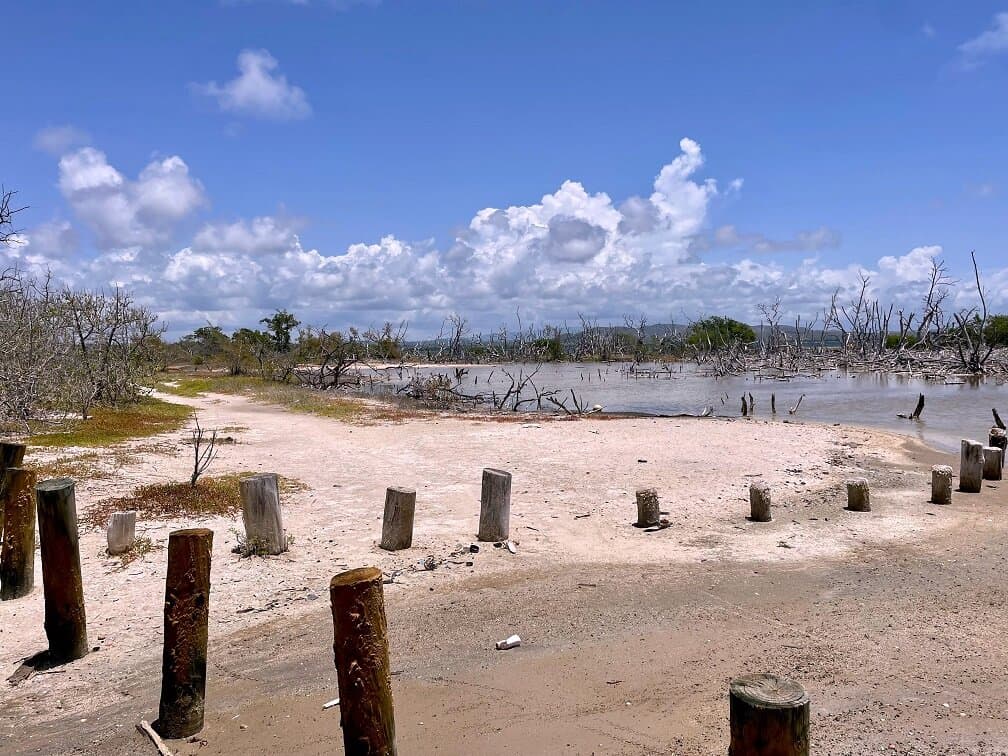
<point x="952" y="411"/>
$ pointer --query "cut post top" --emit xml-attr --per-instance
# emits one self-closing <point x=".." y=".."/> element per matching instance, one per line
<point x="769" y="691"/>
<point x="402" y="490"/>
<point x="496" y="471"/>
<point x="54" y="484"/>
<point x="191" y="533"/>
<point x="259" y="476"/>
<point x="355" y="576"/>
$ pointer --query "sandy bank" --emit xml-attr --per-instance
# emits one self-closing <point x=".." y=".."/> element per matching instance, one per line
<point x="572" y="508"/>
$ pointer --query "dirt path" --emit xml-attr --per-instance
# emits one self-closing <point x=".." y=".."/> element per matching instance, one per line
<point x="883" y="616"/>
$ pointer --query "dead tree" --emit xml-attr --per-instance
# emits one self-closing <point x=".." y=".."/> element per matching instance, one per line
<point x="204" y="450"/>
<point x="9" y="235"/>
<point x="971" y="342"/>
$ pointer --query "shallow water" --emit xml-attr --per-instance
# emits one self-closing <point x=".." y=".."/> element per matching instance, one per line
<point x="952" y="411"/>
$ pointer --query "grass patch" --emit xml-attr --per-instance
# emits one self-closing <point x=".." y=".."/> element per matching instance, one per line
<point x="141" y="547"/>
<point x="295" y="398"/>
<point x="112" y="425"/>
<point x="192" y="386"/>
<point x="100" y="465"/>
<point x="217" y="496"/>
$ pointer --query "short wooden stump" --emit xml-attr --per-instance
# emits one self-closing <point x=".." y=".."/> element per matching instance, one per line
<point x="858" y="497"/>
<point x="769" y="716"/>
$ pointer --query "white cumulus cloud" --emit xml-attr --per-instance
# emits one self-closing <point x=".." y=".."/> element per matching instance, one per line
<point x="259" y="90"/>
<point x="123" y="212"/>
<point x="574" y="250"/>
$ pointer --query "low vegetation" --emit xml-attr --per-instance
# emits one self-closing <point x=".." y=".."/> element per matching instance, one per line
<point x="290" y="396"/>
<point x="113" y="425"/>
<point x="216" y="496"/>
<point x="141" y="547"/>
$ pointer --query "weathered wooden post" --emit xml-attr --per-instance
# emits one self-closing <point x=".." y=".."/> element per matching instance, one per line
<point x="992" y="463"/>
<point x="759" y="501"/>
<point x="11" y="455"/>
<point x="769" y="716"/>
<point x="999" y="438"/>
<point x="858" y="498"/>
<point x="495" y="506"/>
<point x="397" y="526"/>
<point x="648" y="507"/>
<point x="264" y="531"/>
<point x="17" y="556"/>
<point x="361" y="654"/>
<point x="971" y="466"/>
<point x="121" y="532"/>
<point x="941" y="484"/>
<point x="65" y="619"/>
<point x="186" y="620"/>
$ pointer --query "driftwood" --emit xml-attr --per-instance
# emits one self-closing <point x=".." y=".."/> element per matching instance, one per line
<point x="144" y="727"/>
<point x="915" y="415"/>
<point x="794" y="409"/>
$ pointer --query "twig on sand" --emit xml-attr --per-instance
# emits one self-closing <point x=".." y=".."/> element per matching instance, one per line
<point x="144" y="727"/>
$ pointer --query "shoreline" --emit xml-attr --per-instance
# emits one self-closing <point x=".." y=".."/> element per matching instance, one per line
<point x="572" y="508"/>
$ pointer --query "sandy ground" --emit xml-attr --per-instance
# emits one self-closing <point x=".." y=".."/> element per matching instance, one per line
<point x="629" y="637"/>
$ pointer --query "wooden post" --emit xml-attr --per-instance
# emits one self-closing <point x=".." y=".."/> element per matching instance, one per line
<point x="971" y="466"/>
<point x="17" y="556"/>
<point x="992" y="463"/>
<point x="121" y="532"/>
<point x="397" y="527"/>
<point x="495" y="506"/>
<point x="648" y="507"/>
<point x="759" y="501"/>
<point x="65" y="619"/>
<point x="999" y="439"/>
<point x="941" y="484"/>
<point x="186" y="618"/>
<point x="361" y="654"/>
<point x="769" y="717"/>
<point x="264" y="531"/>
<point x="858" y="498"/>
<point x="11" y="455"/>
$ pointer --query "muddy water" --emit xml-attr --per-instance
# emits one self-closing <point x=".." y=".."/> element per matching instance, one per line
<point x="952" y="410"/>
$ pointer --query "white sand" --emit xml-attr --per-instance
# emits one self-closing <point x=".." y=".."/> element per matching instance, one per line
<point x="561" y="469"/>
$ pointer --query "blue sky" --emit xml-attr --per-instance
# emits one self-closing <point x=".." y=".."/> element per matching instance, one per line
<point x="222" y="159"/>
